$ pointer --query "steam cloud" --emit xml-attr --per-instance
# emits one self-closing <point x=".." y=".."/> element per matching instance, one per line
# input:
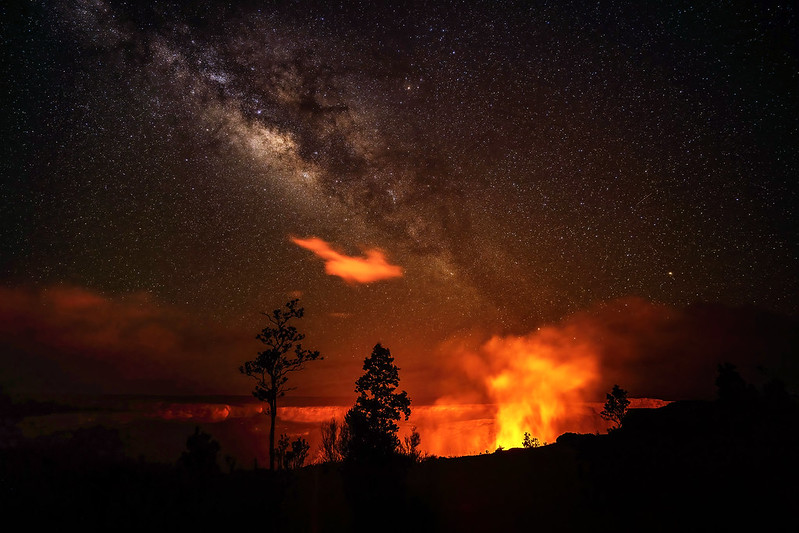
<point x="554" y="379"/>
<point x="373" y="267"/>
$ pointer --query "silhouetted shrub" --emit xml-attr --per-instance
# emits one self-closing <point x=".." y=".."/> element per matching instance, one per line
<point x="201" y="453"/>
<point x="290" y="454"/>
<point x="530" y="442"/>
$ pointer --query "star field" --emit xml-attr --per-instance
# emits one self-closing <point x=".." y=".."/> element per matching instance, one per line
<point x="519" y="162"/>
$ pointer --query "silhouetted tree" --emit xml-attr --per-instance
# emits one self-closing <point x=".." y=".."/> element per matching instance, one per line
<point x="283" y="354"/>
<point x="372" y="422"/>
<point x="291" y="454"/>
<point x="615" y="407"/>
<point x="201" y="453"/>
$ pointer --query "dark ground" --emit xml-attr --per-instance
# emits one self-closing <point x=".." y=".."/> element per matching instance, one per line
<point x="699" y="466"/>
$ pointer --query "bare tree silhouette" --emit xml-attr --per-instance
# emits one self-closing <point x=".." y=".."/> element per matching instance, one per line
<point x="332" y="441"/>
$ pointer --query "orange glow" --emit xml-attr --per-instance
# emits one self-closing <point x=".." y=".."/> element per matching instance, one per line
<point x="542" y="383"/>
<point x="539" y="383"/>
<point x="452" y="429"/>
<point x="373" y="267"/>
<point x="200" y="412"/>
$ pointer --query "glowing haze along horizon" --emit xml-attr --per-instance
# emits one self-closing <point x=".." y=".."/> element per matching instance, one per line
<point x="538" y="384"/>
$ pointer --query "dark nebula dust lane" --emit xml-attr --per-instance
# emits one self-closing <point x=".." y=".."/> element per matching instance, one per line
<point x="425" y="176"/>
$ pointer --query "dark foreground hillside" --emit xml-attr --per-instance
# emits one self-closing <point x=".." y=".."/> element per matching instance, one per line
<point x="688" y="466"/>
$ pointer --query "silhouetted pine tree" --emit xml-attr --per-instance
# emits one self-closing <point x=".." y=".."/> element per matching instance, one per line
<point x="372" y="423"/>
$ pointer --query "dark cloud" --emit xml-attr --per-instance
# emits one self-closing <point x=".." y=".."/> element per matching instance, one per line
<point x="662" y="352"/>
<point x="63" y="339"/>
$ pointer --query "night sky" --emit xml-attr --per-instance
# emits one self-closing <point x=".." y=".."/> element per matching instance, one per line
<point x="170" y="170"/>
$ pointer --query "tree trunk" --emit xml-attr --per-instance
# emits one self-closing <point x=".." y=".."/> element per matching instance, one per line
<point x="273" y="417"/>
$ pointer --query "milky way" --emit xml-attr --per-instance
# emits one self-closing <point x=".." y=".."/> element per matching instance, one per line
<point x="517" y="162"/>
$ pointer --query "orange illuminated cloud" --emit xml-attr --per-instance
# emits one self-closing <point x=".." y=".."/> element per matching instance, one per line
<point x="373" y="267"/>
